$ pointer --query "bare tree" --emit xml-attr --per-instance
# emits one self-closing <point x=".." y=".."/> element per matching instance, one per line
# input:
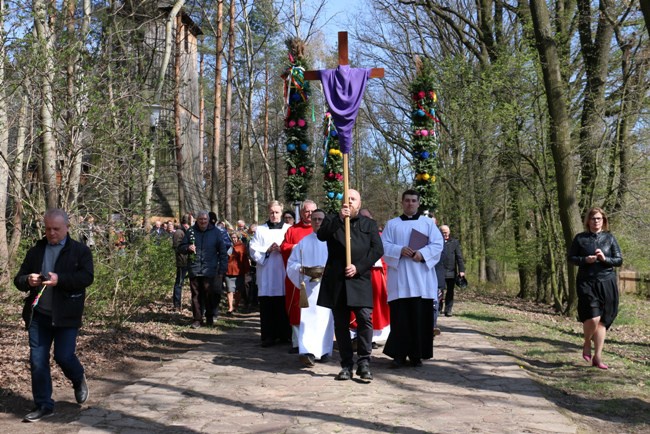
<point x="4" y="157"/>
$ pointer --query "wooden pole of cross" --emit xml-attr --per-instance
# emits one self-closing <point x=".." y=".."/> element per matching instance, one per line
<point x="315" y="75"/>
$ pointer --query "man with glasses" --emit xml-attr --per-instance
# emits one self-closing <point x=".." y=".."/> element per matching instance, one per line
<point x="315" y="337"/>
<point x="292" y="294"/>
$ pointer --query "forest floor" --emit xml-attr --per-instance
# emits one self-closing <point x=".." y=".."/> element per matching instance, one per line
<point x="543" y="342"/>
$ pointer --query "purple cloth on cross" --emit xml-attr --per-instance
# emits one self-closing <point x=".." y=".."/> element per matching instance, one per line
<point x="343" y="88"/>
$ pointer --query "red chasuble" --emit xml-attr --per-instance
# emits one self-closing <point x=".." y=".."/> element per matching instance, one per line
<point x="292" y="294"/>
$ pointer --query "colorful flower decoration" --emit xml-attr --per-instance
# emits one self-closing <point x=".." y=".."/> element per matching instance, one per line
<point x="297" y="92"/>
<point x="425" y="134"/>
<point x="332" y="167"/>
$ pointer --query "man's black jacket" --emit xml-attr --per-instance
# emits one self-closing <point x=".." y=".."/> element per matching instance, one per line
<point x="74" y="266"/>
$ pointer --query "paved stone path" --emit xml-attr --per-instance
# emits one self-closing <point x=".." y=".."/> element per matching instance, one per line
<point x="235" y="386"/>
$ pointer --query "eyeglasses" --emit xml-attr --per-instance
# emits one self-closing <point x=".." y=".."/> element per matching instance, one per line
<point x="596" y="219"/>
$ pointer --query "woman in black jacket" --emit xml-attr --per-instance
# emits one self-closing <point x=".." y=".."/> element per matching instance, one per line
<point x="596" y="253"/>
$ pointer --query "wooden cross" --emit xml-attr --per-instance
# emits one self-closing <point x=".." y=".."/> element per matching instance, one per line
<point x="315" y="75"/>
<point x="343" y="60"/>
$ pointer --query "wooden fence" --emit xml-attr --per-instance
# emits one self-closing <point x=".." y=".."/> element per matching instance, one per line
<point x="631" y="282"/>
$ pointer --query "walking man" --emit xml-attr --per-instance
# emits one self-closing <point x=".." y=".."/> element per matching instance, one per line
<point x="55" y="273"/>
<point x="264" y="249"/>
<point x="412" y="246"/>
<point x="315" y="338"/>
<point x="181" y="261"/>
<point x="347" y="288"/>
<point x="452" y="260"/>
<point x="292" y="294"/>
<point x="207" y="262"/>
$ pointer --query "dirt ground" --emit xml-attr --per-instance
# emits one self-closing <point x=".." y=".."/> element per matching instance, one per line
<point x="113" y="358"/>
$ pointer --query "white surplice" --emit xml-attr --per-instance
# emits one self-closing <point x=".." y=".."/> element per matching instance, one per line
<point x="316" y="332"/>
<point x="270" y="269"/>
<point x="407" y="278"/>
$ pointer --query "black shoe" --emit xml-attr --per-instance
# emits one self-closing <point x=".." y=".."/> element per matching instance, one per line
<point x="307" y="359"/>
<point x="397" y="363"/>
<point x="324" y="358"/>
<point x="268" y="343"/>
<point x="38" y="413"/>
<point x="363" y="372"/>
<point x="293" y="350"/>
<point x="345" y="374"/>
<point x="81" y="392"/>
<point x="448" y="314"/>
<point x="375" y="346"/>
<point x="416" y="363"/>
<point x="209" y="322"/>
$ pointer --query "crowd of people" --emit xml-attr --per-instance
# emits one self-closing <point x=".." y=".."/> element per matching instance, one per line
<point x="295" y="269"/>
<point x="316" y="278"/>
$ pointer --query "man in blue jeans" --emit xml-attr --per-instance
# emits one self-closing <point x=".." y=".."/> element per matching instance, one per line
<point x="55" y="273"/>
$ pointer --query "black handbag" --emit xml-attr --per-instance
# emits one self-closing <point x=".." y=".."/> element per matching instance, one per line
<point x="461" y="282"/>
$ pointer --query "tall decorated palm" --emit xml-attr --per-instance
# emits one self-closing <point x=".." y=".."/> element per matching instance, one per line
<point x="296" y="92"/>
<point x="332" y="167"/>
<point x="425" y="129"/>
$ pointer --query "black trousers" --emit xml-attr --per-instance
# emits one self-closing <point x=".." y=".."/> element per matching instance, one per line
<point x="341" y="315"/>
<point x="411" y="334"/>
<point x="203" y="297"/>
<point x="274" y="322"/>
<point x="449" y="296"/>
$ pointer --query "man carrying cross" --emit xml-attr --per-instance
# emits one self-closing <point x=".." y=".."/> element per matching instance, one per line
<point x="346" y="283"/>
<point x="347" y="287"/>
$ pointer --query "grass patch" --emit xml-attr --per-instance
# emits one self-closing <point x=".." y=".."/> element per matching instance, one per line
<point x="549" y="346"/>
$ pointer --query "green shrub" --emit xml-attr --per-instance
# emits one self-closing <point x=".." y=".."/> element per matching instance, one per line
<point x="126" y="280"/>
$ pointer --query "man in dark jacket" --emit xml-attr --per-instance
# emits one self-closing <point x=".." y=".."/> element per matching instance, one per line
<point x="452" y="260"/>
<point x="207" y="259"/>
<point x="181" y="261"/>
<point x="346" y="288"/>
<point x="55" y="273"/>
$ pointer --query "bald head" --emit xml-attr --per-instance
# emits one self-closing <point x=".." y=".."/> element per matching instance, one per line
<point x="355" y="202"/>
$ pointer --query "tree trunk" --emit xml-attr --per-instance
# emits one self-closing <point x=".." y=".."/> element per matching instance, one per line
<point x="17" y="172"/>
<point x="560" y="132"/>
<point x="216" y="128"/>
<point x="177" y="119"/>
<point x="596" y="55"/>
<point x="45" y="42"/>
<point x="268" y="190"/>
<point x="4" y="157"/>
<point x="228" y="115"/>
